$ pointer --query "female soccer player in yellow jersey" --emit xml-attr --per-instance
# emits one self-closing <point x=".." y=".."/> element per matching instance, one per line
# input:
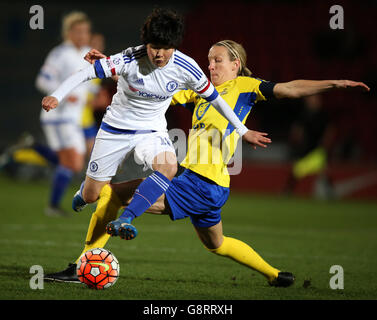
<point x="203" y="188"/>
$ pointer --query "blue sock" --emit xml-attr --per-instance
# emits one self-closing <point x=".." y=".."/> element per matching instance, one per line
<point x="60" y="182"/>
<point x="47" y="153"/>
<point x="146" y="194"/>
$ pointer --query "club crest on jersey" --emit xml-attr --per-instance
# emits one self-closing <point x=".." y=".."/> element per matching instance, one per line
<point x="171" y="85"/>
<point x="202" y="109"/>
<point x="93" y="166"/>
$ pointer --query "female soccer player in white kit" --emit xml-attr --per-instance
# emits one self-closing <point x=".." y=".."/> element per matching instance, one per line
<point x="62" y="127"/>
<point x="149" y="75"/>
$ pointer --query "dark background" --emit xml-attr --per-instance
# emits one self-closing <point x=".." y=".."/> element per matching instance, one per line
<point x="285" y="40"/>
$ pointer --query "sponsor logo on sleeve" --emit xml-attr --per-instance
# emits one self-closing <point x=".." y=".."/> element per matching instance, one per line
<point x="116" y="60"/>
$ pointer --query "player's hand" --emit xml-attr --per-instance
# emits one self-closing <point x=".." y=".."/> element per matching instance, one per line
<point x="94" y="55"/>
<point x="49" y="103"/>
<point x="256" y="138"/>
<point x="347" y="84"/>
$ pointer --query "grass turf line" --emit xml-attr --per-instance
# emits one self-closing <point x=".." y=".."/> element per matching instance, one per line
<point x="167" y="261"/>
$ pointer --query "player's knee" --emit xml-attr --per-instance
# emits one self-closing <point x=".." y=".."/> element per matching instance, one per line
<point x="172" y="171"/>
<point x="169" y="170"/>
<point x="76" y="167"/>
<point x="75" y="164"/>
<point x="213" y="245"/>
<point x="89" y="196"/>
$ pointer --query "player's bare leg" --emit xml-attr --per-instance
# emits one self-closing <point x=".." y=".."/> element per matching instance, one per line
<point x="88" y="193"/>
<point x="71" y="159"/>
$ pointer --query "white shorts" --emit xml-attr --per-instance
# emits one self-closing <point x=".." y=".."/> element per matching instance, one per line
<point x="64" y="135"/>
<point x="110" y="150"/>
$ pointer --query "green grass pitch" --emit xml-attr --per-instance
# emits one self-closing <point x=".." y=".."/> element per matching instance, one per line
<point x="167" y="261"/>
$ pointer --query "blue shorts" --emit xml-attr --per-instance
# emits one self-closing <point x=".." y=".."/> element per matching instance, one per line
<point x="192" y="195"/>
<point x="90" y="132"/>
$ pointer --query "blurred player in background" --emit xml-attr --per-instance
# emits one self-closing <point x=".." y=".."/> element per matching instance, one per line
<point x="62" y="127"/>
<point x="311" y="138"/>
<point x="89" y="123"/>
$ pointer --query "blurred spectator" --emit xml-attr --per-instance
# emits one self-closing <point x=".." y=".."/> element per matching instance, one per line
<point x="89" y="123"/>
<point x="311" y="137"/>
<point x="62" y="127"/>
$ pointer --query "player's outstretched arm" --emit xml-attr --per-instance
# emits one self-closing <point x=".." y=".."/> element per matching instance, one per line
<point x="51" y="102"/>
<point x="301" y="88"/>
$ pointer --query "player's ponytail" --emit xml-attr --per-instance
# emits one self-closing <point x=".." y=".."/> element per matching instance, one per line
<point x="236" y="52"/>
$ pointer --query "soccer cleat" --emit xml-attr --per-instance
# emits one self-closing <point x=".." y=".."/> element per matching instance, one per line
<point x="123" y="228"/>
<point x="68" y="275"/>
<point x="78" y="203"/>
<point x="284" y="279"/>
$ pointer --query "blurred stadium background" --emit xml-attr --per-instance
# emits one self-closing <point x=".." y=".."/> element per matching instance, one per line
<point x="285" y="40"/>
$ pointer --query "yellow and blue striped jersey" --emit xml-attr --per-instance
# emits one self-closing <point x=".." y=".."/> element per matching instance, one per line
<point x="212" y="140"/>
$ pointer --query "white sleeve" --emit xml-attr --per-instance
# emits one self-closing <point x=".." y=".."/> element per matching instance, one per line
<point x="226" y="111"/>
<point x="73" y="81"/>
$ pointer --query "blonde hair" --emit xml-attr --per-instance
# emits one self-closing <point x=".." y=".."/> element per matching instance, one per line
<point x="71" y="19"/>
<point x="236" y="52"/>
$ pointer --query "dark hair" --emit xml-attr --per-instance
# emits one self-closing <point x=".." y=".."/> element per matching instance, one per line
<point x="163" y="27"/>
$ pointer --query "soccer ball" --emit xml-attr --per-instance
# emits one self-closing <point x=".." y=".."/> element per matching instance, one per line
<point x="98" y="269"/>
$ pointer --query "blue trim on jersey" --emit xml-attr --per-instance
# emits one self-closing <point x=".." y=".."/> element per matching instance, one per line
<point x="133" y="59"/>
<point x="213" y="96"/>
<point x="189" y="67"/>
<point x="100" y="73"/>
<point x="180" y="59"/>
<point x="196" y="77"/>
<point x="244" y="104"/>
<point x="137" y="55"/>
<point x="106" y="127"/>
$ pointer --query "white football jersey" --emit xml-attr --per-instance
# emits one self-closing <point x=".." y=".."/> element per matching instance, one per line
<point x="63" y="61"/>
<point x="145" y="91"/>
